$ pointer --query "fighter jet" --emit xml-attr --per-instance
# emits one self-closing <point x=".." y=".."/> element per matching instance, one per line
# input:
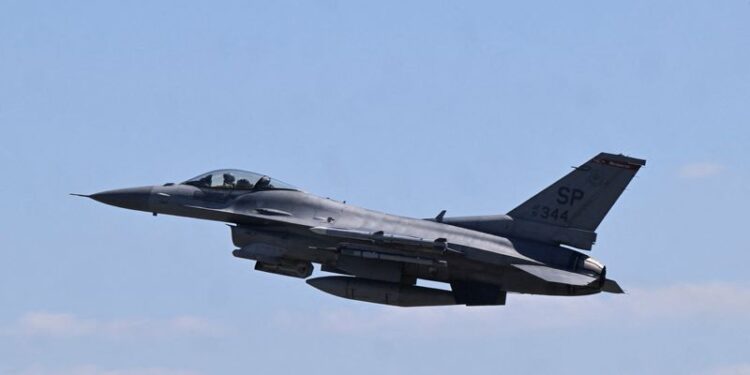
<point x="378" y="257"/>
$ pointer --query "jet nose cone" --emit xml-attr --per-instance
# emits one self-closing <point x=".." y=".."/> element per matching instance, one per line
<point x="133" y="198"/>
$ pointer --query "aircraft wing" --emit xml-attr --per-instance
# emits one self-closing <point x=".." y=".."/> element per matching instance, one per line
<point x="556" y="276"/>
<point x="255" y="217"/>
<point x="373" y="245"/>
<point x="437" y="248"/>
<point x="438" y="245"/>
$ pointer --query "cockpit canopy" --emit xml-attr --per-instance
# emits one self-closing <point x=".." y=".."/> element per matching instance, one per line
<point x="235" y="179"/>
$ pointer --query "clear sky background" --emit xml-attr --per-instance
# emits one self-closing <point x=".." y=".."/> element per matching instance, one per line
<point x="405" y="107"/>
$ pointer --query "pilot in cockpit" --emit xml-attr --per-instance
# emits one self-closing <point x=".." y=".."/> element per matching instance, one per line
<point x="244" y="184"/>
<point x="228" y="181"/>
<point x="205" y="181"/>
<point x="234" y="179"/>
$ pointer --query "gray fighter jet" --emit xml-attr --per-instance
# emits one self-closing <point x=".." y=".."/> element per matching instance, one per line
<point x="379" y="257"/>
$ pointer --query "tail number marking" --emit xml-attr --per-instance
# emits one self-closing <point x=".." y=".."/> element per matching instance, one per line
<point x="566" y="195"/>
<point x="547" y="213"/>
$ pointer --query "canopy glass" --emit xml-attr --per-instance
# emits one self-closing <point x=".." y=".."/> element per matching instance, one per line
<point x="235" y="179"/>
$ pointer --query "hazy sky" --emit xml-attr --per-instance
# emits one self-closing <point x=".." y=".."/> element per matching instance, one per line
<point x="405" y="107"/>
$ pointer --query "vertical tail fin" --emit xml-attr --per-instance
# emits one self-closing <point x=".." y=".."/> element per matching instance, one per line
<point x="581" y="199"/>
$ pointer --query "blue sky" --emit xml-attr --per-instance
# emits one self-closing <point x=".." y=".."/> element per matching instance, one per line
<point x="407" y="108"/>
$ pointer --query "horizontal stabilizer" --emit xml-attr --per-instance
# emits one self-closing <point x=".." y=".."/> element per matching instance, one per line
<point x="554" y="275"/>
<point x="611" y="286"/>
